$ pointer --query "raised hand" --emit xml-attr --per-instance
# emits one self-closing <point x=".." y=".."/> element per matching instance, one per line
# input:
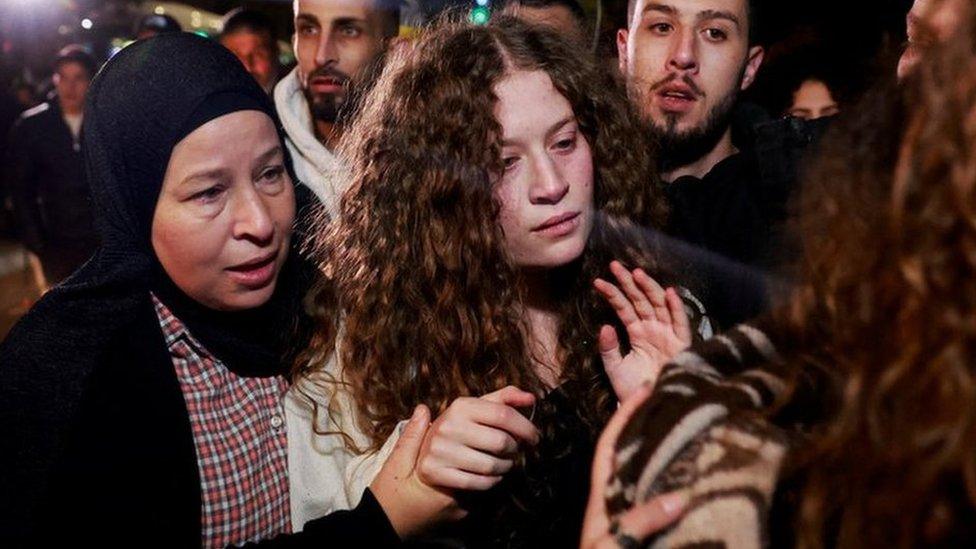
<point x="476" y="440"/>
<point x="656" y="325"/>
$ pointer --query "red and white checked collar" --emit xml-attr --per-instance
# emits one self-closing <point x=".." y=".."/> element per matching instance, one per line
<point x="240" y="438"/>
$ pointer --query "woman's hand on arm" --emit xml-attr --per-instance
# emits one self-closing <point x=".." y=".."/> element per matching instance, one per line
<point x="476" y="440"/>
<point x="656" y="324"/>
<point x="634" y="526"/>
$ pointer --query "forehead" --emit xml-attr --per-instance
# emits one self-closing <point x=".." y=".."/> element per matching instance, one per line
<point x="66" y="68"/>
<point x="332" y="9"/>
<point x="528" y="102"/>
<point x="694" y="7"/>
<point x="246" y="38"/>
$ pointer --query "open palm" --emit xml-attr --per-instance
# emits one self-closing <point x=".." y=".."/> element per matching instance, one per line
<point x="656" y="324"/>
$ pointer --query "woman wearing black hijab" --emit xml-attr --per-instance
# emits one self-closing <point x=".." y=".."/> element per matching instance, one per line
<point x="140" y="402"/>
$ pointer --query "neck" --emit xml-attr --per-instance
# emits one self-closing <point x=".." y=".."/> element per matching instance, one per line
<point x="541" y="318"/>
<point x="69" y="110"/>
<point x="328" y="133"/>
<point x="700" y="168"/>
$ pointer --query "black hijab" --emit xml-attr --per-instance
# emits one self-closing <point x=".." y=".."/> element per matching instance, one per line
<point x="141" y="104"/>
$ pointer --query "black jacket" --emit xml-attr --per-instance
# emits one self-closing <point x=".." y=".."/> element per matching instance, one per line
<point x="46" y="181"/>
<point x="125" y="471"/>
<point x="738" y="213"/>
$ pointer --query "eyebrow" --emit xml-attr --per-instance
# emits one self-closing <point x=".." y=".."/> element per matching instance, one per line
<point x="218" y="172"/>
<point x="306" y="18"/>
<point x="705" y="15"/>
<point x="552" y="129"/>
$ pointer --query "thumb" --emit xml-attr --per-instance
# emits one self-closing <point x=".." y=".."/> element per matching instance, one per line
<point x="609" y="347"/>
<point x="404" y="455"/>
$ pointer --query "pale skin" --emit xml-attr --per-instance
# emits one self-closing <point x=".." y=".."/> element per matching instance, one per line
<point x="548" y="175"/>
<point x="223" y="205"/>
<point x="705" y="42"/>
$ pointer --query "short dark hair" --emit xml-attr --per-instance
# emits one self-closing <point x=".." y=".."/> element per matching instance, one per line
<point x="252" y="21"/>
<point x="573" y="6"/>
<point x="752" y="8"/>
<point x="159" y="23"/>
<point x="76" y="53"/>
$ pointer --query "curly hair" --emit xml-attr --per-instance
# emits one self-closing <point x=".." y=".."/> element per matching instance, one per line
<point x="429" y="303"/>
<point x="888" y="309"/>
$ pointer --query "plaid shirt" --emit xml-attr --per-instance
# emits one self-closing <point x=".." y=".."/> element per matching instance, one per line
<point x="240" y="438"/>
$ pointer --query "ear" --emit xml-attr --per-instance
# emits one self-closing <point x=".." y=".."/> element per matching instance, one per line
<point x="622" y="35"/>
<point x="756" y="55"/>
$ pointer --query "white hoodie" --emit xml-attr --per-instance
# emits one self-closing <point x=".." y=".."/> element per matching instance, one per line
<point x="315" y="166"/>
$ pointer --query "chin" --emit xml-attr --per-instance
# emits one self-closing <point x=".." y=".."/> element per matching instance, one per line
<point x="555" y="256"/>
<point x="243" y="300"/>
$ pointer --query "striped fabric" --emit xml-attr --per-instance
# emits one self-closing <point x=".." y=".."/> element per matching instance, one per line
<point x="240" y="439"/>
<point x="702" y="430"/>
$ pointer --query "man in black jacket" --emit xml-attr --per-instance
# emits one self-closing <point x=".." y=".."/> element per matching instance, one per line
<point x="729" y="170"/>
<point x="45" y="178"/>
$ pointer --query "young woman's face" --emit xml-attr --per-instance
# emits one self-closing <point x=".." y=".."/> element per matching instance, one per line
<point x="546" y="190"/>
<point x="224" y="217"/>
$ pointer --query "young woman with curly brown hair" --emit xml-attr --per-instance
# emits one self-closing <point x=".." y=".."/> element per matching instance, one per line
<point x="858" y="429"/>
<point x="495" y="173"/>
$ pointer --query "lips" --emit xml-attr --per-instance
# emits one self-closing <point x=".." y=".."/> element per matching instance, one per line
<point x="326" y="84"/>
<point x="256" y="273"/>
<point x="676" y="97"/>
<point x="559" y="225"/>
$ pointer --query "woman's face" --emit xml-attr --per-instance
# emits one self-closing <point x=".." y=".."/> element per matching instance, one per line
<point x="546" y="190"/>
<point x="224" y="216"/>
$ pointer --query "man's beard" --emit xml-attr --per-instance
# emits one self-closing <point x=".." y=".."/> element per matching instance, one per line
<point x="681" y="148"/>
<point x="328" y="107"/>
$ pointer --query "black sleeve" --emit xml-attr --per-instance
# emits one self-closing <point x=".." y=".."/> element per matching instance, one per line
<point x="366" y="526"/>
<point x="22" y="188"/>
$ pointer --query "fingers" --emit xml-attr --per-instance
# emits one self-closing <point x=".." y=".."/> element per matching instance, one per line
<point x="653" y="516"/>
<point x="504" y="417"/>
<point x="454" y="479"/>
<point x="655" y="294"/>
<point x="616" y="298"/>
<point x="681" y="324"/>
<point x="638" y="296"/>
<point x="454" y="455"/>
<point x="511" y="396"/>
<point x="486" y="439"/>
<point x="609" y="346"/>
<point x="405" y="452"/>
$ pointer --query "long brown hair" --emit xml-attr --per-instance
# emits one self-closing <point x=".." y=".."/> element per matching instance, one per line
<point x="889" y="309"/>
<point x="429" y="302"/>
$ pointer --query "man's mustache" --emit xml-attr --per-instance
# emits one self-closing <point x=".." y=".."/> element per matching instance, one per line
<point x="684" y="78"/>
<point x="329" y="72"/>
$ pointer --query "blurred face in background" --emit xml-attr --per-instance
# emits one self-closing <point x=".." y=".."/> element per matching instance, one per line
<point x="335" y="40"/>
<point x="546" y="190"/>
<point x="71" y="81"/>
<point x="929" y="22"/>
<point x="685" y="62"/>
<point x="813" y="100"/>
<point x="257" y="52"/>
<point x="223" y="220"/>
<point x="558" y="18"/>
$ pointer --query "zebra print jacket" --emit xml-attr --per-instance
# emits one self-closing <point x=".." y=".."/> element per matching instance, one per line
<point x="706" y="429"/>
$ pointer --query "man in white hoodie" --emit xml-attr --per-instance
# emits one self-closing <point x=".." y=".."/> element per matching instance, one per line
<point x="335" y="42"/>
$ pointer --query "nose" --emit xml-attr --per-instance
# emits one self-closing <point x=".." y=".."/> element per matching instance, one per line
<point x="684" y="51"/>
<point x="326" y="53"/>
<point x="252" y="218"/>
<point x="548" y="186"/>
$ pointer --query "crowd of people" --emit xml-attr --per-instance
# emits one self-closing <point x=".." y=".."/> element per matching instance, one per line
<point x="474" y="287"/>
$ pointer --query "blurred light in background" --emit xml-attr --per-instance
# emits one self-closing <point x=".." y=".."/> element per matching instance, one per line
<point x="86" y="23"/>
